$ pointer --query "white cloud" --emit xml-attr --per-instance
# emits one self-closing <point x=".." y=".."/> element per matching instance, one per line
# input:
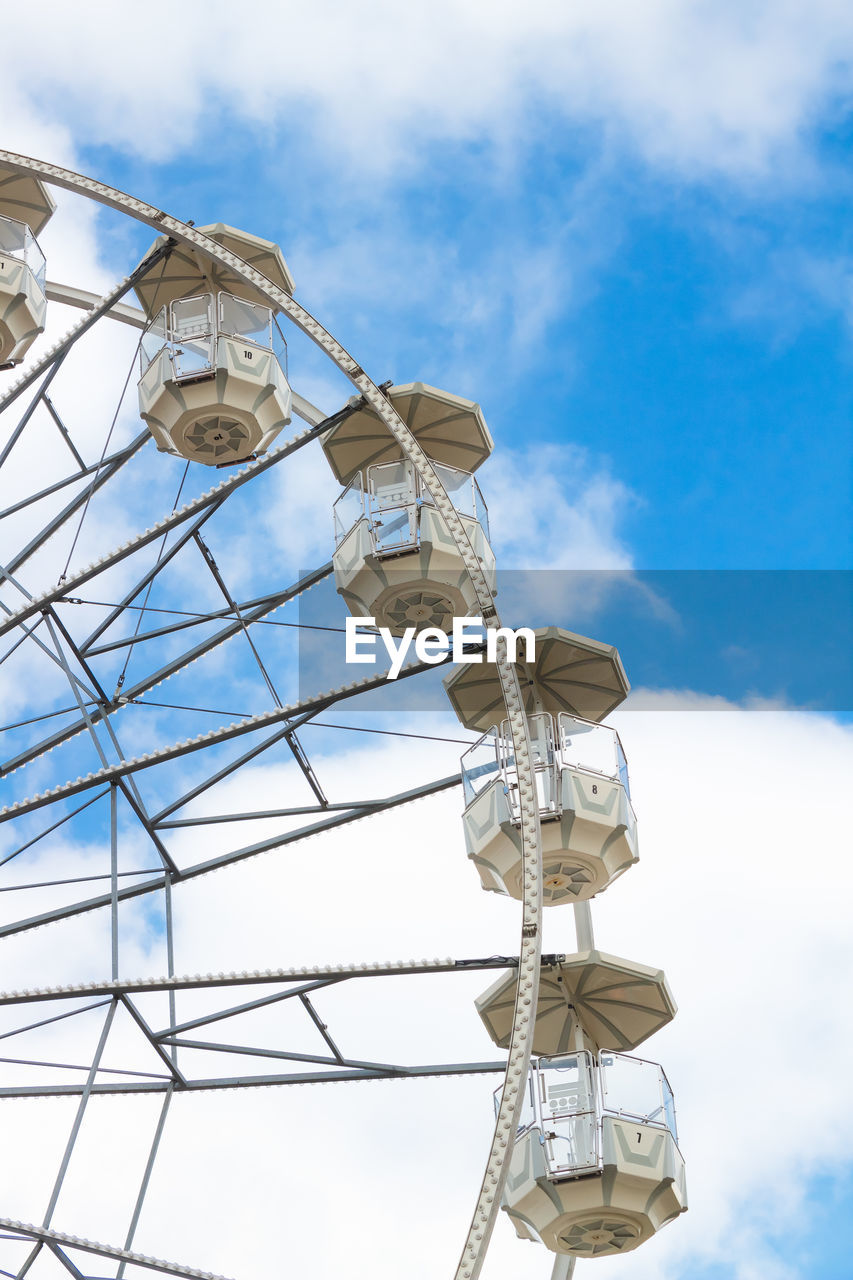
<point x="556" y="507"/>
<point x="698" y="88"/>
<point x="738" y="894"/>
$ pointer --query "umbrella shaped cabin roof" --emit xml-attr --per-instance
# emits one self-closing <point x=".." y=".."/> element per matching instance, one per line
<point x="188" y="271"/>
<point x="449" y="429"/>
<point x="618" y="1003"/>
<point x="25" y="198"/>
<point x="569" y="673"/>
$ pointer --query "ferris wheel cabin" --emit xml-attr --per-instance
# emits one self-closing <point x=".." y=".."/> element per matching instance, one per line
<point x="395" y="559"/>
<point x="595" y="1169"/>
<point x="213" y="361"/>
<point x="588" y="827"/>
<point x="25" y="207"/>
<point x="589" y="831"/>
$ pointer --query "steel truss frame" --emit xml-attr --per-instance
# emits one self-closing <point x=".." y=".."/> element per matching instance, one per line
<point x="44" y="620"/>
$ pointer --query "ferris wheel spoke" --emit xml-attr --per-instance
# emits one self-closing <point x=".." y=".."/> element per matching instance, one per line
<point x="296" y="982"/>
<point x="64" y="1260"/>
<point x="212" y="496"/>
<point x="106" y="469"/>
<point x="53" y="365"/>
<point x="252" y="612"/>
<point x="249" y="1006"/>
<point x="63" y="430"/>
<point x="146" y="1178"/>
<point x="295" y="714"/>
<point x="210" y="1084"/>
<point x="28" y="1231"/>
<point x="54" y="826"/>
<point x="85" y="1094"/>
<point x="273" y="600"/>
<point x="255" y="815"/>
<point x="177" y="1077"/>
<point x="127" y="784"/>
<point x="207" y="556"/>
<point x="258" y="749"/>
<point x="227" y="859"/>
<point x="340" y="1068"/>
<point x="167" y="554"/>
<point x="90" y="700"/>
<point x="52" y="624"/>
<point x="262" y="1051"/>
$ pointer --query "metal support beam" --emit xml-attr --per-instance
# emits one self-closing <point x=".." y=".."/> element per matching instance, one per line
<point x="253" y="1051"/>
<point x="290" y="738"/>
<point x="103" y="474"/>
<point x="120" y="454"/>
<point x="85" y="1092"/>
<point x="267" y="605"/>
<point x="224" y="860"/>
<point x="273" y="600"/>
<point x="127" y="786"/>
<point x="62" y="429"/>
<point x="70" y="296"/>
<point x="28" y="1262"/>
<point x="583" y="926"/>
<point x="216" y="1083"/>
<point x="176" y="1076"/>
<point x="114" y="881"/>
<point x="220" y="1015"/>
<point x="323" y="1029"/>
<point x="162" y="560"/>
<point x="261" y="977"/>
<point x="30" y="1232"/>
<point x="146" y="1178"/>
<point x="255" y="814"/>
<point x="297" y="713"/>
<point x="57" y="1017"/>
<point x="53" y="826"/>
<point x="225" y="771"/>
<point x="214" y="495"/>
<point x="30" y="410"/>
<point x="66" y="1262"/>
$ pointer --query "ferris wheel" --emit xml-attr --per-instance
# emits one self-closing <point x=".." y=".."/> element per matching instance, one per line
<point x="106" y="820"/>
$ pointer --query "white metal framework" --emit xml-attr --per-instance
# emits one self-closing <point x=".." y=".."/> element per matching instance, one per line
<point x="54" y="617"/>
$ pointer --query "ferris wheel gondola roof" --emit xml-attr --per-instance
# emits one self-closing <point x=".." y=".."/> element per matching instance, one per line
<point x="450" y="429"/>
<point x="569" y="673"/>
<point x="617" y="1002"/>
<point x="188" y="271"/>
<point x="25" y="198"/>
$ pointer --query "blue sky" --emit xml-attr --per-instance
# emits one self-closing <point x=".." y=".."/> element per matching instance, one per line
<point x="626" y="232"/>
<point x="692" y="335"/>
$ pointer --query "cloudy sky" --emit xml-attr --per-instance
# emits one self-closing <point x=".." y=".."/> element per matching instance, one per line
<point x="624" y="230"/>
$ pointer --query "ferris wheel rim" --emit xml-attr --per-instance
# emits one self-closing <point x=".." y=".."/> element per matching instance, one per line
<point x="530" y="947"/>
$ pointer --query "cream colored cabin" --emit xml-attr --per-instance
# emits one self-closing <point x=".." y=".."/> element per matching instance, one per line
<point x="595" y="1169"/>
<point x="213" y="385"/>
<point x="395" y="559"/>
<point x="589" y="832"/>
<point x="25" y="207"/>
